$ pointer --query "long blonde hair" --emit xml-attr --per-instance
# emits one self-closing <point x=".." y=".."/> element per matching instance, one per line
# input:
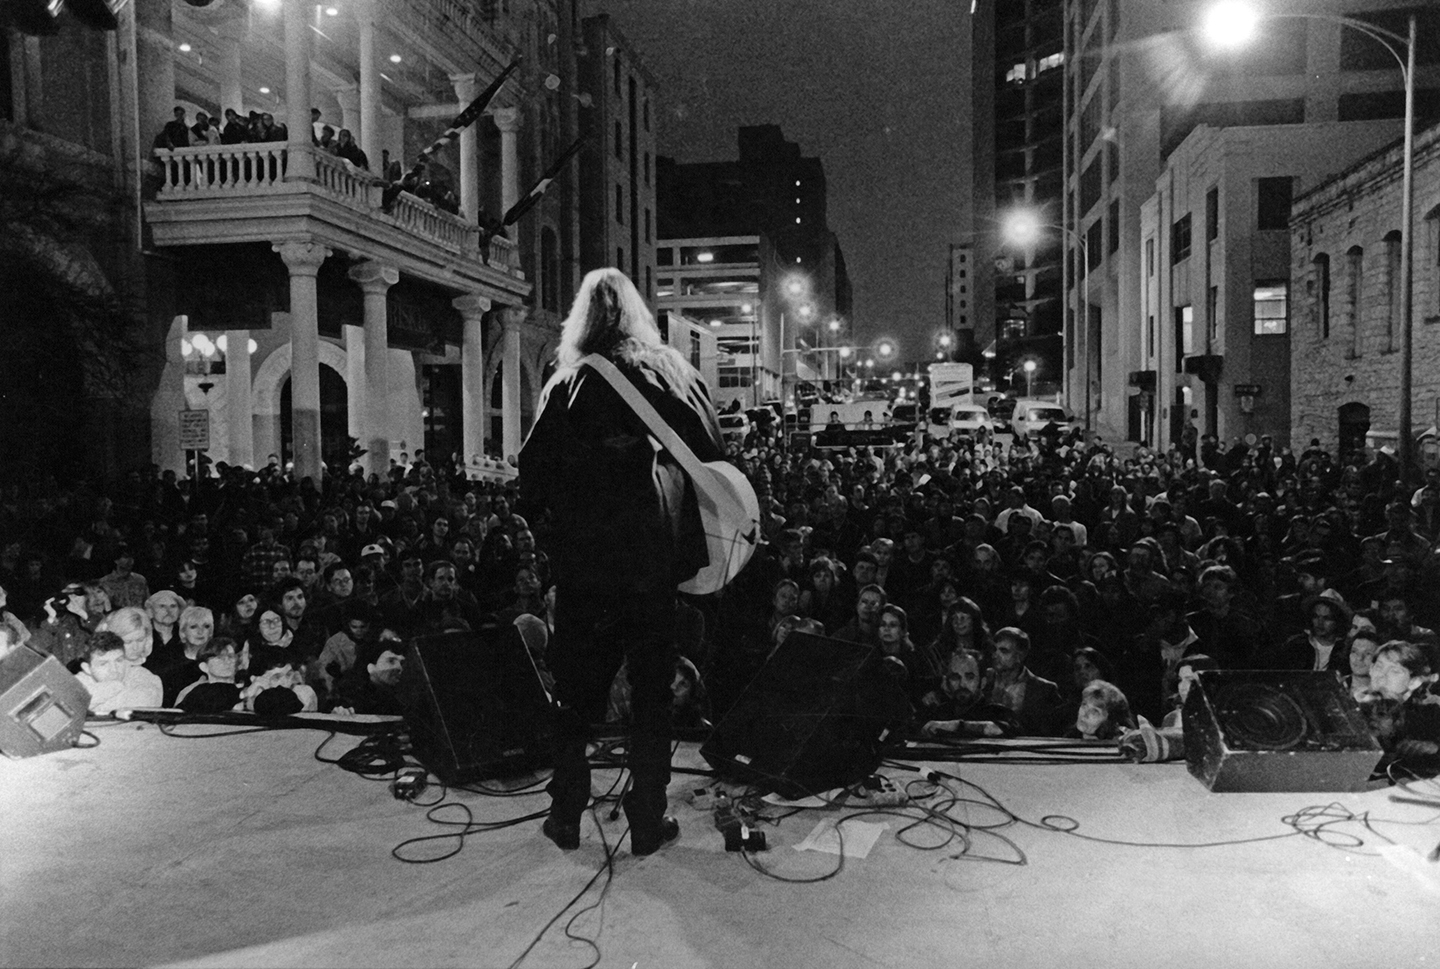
<point x="610" y="317"/>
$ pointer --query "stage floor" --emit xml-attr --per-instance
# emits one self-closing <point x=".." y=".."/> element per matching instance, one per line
<point x="245" y="851"/>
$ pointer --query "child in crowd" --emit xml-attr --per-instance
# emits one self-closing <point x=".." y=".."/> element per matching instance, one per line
<point x="216" y="691"/>
<point x="114" y="683"/>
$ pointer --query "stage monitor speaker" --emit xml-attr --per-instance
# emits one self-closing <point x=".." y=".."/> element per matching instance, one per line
<point x="42" y="705"/>
<point x="1276" y="730"/>
<point x="814" y="718"/>
<point x="474" y="704"/>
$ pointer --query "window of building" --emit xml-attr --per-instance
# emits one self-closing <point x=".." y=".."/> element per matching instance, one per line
<point x="1149" y="257"/>
<point x="620" y="258"/>
<point x="617" y="73"/>
<point x="1271" y="299"/>
<point x="649" y="283"/>
<point x="1272" y="202"/>
<point x="1320" y="289"/>
<point x="694" y="349"/>
<point x="1212" y="314"/>
<point x="1016" y="74"/>
<point x="1113" y="223"/>
<point x="1354" y="284"/>
<point x="665" y="256"/>
<point x="1184" y="335"/>
<point x="1180" y="239"/>
<point x="646" y="168"/>
<point x="1150" y="335"/>
<point x="1049" y="62"/>
<point x="645" y="113"/>
<point x="1392" y="287"/>
<point x="620" y="204"/>
<point x="647" y="225"/>
<point x="1094" y="239"/>
<point x="1090" y="185"/>
<point x="1212" y="214"/>
<point x="619" y="141"/>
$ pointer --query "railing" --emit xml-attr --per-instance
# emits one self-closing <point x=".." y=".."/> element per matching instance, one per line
<point x="259" y="169"/>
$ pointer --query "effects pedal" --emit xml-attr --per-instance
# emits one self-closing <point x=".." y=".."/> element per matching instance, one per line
<point x="880" y="791"/>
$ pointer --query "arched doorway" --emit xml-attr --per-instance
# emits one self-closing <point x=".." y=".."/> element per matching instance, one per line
<point x="334" y="422"/>
<point x="1354" y="424"/>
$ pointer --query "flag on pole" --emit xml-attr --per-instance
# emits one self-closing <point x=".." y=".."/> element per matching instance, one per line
<point x="537" y="191"/>
<point x="461" y="121"/>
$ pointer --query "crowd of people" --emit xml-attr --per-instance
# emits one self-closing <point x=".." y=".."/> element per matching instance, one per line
<point x="1037" y="587"/>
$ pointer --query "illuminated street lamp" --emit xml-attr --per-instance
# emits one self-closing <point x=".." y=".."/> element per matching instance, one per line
<point x="1233" y="24"/>
<point x="1022" y="228"/>
<point x="1029" y="369"/>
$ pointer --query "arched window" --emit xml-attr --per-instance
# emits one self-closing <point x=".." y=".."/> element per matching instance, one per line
<point x="1319" y="286"/>
<point x="1354" y="285"/>
<point x="549" y="270"/>
<point x="1392" y="288"/>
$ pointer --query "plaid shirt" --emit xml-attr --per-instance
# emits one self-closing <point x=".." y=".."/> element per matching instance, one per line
<point x="259" y="563"/>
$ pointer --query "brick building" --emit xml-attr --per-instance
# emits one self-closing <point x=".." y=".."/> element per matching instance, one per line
<point x="1345" y="249"/>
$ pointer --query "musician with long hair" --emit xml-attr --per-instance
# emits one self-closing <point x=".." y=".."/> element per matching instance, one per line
<point x="627" y="531"/>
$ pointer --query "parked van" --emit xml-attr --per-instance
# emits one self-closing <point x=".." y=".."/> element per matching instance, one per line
<point x="1031" y="416"/>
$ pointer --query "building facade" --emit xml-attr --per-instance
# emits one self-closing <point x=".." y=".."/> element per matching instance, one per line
<point x="278" y="293"/>
<point x="1345" y="267"/>
<point x="1017" y="147"/>
<point x="1215" y="277"/>
<point x="1139" y="78"/>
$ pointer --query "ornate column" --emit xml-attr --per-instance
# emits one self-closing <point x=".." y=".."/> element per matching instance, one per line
<point x="472" y="375"/>
<point x="469" y="174"/>
<point x="375" y="279"/>
<point x="232" y="94"/>
<point x="154" y="67"/>
<point x="300" y="164"/>
<point x="303" y="259"/>
<point x="369" y="133"/>
<point x="349" y="98"/>
<point x="508" y="121"/>
<point x="238" y="408"/>
<point x="510" y="385"/>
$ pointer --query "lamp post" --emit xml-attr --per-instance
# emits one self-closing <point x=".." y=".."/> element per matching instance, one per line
<point x="1029" y="378"/>
<point x="1232" y="24"/>
<point x="1022" y="228"/>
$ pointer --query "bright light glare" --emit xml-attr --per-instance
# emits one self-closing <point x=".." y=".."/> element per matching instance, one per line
<point x="264" y="90"/>
<point x="844" y="353"/>
<point x="221" y="343"/>
<point x="1231" y="23"/>
<point x="1029" y="366"/>
<point x="705" y="257"/>
<point x="806" y="311"/>
<point x="795" y="287"/>
<point x="394" y="58"/>
<point x="332" y="12"/>
<point x="885" y="349"/>
<point x="254" y="346"/>
<point x="268" y="4"/>
<point x="834" y="326"/>
<point x="1022" y="228"/>
<point x="184" y="48"/>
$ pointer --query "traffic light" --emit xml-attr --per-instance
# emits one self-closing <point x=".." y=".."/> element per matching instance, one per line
<point x="44" y="17"/>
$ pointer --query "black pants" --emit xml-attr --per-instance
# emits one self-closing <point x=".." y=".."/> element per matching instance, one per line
<point x="595" y="631"/>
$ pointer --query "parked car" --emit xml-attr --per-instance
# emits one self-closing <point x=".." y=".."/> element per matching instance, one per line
<point x="971" y="419"/>
<point x="1032" y="416"/>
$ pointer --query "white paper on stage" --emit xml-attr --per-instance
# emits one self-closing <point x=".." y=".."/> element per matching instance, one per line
<point x="813" y="801"/>
<point x="854" y="841"/>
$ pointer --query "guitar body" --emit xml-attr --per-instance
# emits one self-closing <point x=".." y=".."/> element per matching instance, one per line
<point x="730" y="514"/>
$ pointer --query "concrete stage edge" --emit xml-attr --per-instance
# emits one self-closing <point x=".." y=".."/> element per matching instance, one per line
<point x="245" y="851"/>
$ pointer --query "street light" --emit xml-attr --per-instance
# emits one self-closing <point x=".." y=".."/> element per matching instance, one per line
<point x="1233" y="24"/>
<point x="1029" y="377"/>
<point x="1022" y="228"/>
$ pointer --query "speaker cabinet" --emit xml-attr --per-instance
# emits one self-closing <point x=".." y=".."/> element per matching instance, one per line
<point x="42" y="705"/>
<point x="814" y="718"/>
<point x="474" y="704"/>
<point x="1276" y="730"/>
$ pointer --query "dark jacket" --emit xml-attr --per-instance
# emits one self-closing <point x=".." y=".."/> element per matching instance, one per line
<point x="625" y="513"/>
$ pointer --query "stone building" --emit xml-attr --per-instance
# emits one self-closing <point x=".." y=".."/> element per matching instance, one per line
<point x="1345" y="258"/>
<point x="272" y="286"/>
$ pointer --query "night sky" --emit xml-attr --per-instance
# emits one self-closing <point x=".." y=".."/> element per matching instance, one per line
<point x="874" y="88"/>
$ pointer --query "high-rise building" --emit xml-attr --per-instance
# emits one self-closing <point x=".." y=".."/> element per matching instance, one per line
<point x="1017" y="56"/>
<point x="745" y="246"/>
<point x="617" y="170"/>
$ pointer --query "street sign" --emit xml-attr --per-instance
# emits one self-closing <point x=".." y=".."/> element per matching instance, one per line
<point x="194" y="430"/>
<point x="1248" y="390"/>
